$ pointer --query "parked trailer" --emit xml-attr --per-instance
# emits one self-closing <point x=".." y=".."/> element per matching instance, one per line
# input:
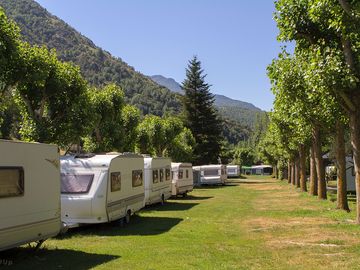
<point x="157" y="179"/>
<point x="233" y="170"/>
<point x="101" y="188"/>
<point x="350" y="175"/>
<point x="212" y="174"/>
<point x="261" y="170"/>
<point x="29" y="193"/>
<point x="182" y="178"/>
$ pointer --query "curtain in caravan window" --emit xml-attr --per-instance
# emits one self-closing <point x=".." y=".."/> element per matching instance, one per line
<point x="180" y="174"/>
<point x="161" y="175"/>
<point x="167" y="174"/>
<point x="155" y="176"/>
<point x="76" y="183"/>
<point x="137" y="178"/>
<point x="115" y="181"/>
<point x="11" y="181"/>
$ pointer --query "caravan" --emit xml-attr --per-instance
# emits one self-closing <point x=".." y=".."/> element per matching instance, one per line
<point x="181" y="178"/>
<point x="211" y="174"/>
<point x="233" y="170"/>
<point x="29" y="193"/>
<point x="157" y="179"/>
<point x="101" y="188"/>
<point x="350" y="175"/>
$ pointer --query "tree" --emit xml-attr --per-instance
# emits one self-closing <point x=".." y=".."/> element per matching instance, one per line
<point x="131" y="119"/>
<point x="330" y="28"/>
<point x="164" y="136"/>
<point x="244" y="156"/>
<point x="200" y="115"/>
<point x="108" y="128"/>
<point x="181" y="148"/>
<point x="9" y="66"/>
<point x="52" y="98"/>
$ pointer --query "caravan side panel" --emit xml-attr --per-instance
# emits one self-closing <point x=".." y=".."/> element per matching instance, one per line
<point x="29" y="208"/>
<point x="125" y="186"/>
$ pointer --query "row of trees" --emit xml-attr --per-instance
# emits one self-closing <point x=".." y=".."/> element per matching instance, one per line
<point x="317" y="93"/>
<point x="46" y="100"/>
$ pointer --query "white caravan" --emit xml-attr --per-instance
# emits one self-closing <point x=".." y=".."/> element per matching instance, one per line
<point x="181" y="178"/>
<point x="29" y="193"/>
<point x="101" y="188"/>
<point x="212" y="174"/>
<point x="350" y="175"/>
<point x="157" y="179"/>
<point x="233" y="170"/>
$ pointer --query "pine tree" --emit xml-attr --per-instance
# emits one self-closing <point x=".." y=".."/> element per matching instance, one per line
<point x="200" y="115"/>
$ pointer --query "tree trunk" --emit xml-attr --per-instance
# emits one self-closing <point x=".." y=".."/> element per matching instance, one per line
<point x="342" y="202"/>
<point x="276" y="171"/>
<point x="355" y="142"/>
<point x="313" y="174"/>
<point x="302" y="161"/>
<point x="293" y="172"/>
<point x="319" y="164"/>
<point x="289" y="172"/>
<point x="297" y="172"/>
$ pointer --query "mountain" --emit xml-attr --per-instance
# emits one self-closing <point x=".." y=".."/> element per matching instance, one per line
<point x="98" y="66"/>
<point x="241" y="112"/>
<point x="223" y="101"/>
<point x="169" y="83"/>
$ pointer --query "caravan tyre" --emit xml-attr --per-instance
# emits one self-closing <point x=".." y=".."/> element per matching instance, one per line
<point x="127" y="217"/>
<point x="162" y="199"/>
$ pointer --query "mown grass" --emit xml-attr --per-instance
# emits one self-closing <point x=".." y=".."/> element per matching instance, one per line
<point x="254" y="223"/>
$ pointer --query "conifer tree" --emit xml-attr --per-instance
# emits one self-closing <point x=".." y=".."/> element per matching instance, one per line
<point x="200" y="115"/>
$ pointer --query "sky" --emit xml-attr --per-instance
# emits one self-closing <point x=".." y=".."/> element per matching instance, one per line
<point x="235" y="40"/>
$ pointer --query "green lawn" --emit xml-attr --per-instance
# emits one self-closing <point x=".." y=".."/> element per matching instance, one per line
<point x="255" y="223"/>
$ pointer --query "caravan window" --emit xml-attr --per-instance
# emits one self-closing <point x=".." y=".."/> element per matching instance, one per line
<point x="11" y="181"/>
<point x="155" y="176"/>
<point x="211" y="172"/>
<point x="161" y="175"/>
<point x="115" y="181"/>
<point x="76" y="183"/>
<point x="187" y="173"/>
<point x="180" y="174"/>
<point x="137" y="178"/>
<point x="167" y="174"/>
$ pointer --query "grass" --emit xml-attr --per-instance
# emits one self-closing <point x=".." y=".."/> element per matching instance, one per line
<point x="253" y="223"/>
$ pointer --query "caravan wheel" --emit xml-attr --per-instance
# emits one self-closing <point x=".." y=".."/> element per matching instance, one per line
<point x="127" y="217"/>
<point x="162" y="199"/>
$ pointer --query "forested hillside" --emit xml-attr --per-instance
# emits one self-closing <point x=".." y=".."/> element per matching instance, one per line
<point x="242" y="115"/>
<point x="97" y="66"/>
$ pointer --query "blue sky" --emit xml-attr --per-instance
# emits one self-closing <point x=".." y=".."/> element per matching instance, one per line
<point x="235" y="40"/>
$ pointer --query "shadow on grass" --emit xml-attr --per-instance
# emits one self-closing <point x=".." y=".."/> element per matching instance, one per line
<point x="255" y="182"/>
<point x="138" y="226"/>
<point x="192" y="198"/>
<point x="171" y="206"/>
<point x="227" y="185"/>
<point x="28" y="258"/>
<point x="238" y="177"/>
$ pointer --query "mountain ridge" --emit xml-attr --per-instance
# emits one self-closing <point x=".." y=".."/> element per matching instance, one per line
<point x="220" y="100"/>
